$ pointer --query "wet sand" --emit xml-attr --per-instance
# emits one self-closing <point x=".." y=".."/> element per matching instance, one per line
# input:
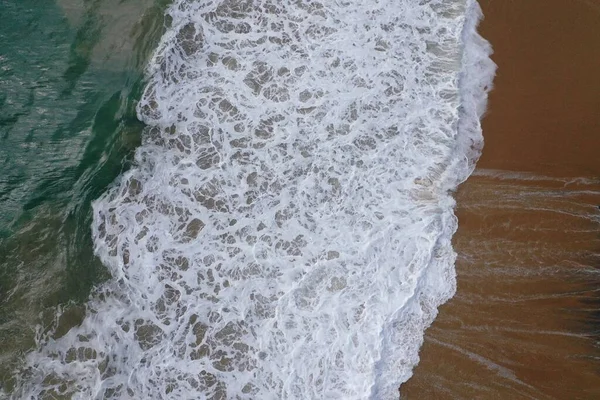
<point x="525" y="322"/>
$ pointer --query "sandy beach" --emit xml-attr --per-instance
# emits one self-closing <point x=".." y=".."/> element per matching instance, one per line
<point x="524" y="322"/>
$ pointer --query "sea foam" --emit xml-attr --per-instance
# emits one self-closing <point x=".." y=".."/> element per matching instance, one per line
<point x="285" y="230"/>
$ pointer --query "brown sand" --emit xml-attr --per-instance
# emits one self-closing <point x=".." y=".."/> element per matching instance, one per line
<point x="544" y="113"/>
<point x="525" y="322"/>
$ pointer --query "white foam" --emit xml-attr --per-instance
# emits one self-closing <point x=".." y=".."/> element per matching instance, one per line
<point x="285" y="233"/>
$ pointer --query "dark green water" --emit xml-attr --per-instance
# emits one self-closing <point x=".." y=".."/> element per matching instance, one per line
<point x="70" y="75"/>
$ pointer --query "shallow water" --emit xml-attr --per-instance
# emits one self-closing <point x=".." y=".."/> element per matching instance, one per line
<point x="523" y="324"/>
<point x="70" y="74"/>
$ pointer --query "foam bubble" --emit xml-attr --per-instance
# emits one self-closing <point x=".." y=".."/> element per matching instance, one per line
<point x="285" y="232"/>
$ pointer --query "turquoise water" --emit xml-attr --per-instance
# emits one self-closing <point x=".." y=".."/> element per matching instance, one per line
<point x="70" y="76"/>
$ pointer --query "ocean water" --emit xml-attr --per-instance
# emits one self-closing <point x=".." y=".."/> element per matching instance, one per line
<point x="284" y="230"/>
<point x="70" y="74"/>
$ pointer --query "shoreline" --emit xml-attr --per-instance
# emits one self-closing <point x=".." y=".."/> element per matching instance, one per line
<point x="524" y="321"/>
